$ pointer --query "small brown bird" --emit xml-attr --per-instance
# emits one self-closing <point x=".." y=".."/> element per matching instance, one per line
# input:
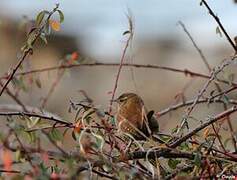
<point x="132" y="117"/>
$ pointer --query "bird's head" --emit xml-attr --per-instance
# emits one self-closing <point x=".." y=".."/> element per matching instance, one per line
<point x="125" y="97"/>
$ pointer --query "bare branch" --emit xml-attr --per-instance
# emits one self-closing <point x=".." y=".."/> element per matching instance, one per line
<point x="220" y="24"/>
<point x="186" y="72"/>
<point x="204" y="125"/>
<point x="51" y="118"/>
<point x="27" y="52"/>
<point x="122" y="61"/>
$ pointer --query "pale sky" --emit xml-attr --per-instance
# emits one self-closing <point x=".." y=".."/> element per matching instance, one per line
<point x="102" y="22"/>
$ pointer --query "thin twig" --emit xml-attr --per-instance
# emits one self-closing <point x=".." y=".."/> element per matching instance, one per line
<point x="218" y="137"/>
<point x="190" y="102"/>
<point x="101" y="174"/>
<point x="10" y="171"/>
<point x="186" y="72"/>
<point x="27" y="52"/>
<point x="121" y="62"/>
<point x="22" y="146"/>
<point x="196" y="46"/>
<point x="54" y="143"/>
<point x="220" y="25"/>
<point x="52" y="88"/>
<point x="29" y="114"/>
<point x="14" y="97"/>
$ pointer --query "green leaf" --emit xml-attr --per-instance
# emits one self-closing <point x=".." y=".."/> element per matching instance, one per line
<point x="198" y="159"/>
<point x="43" y="169"/>
<point x="113" y="120"/>
<point x="29" y="136"/>
<point x="32" y="37"/>
<point x="56" y="135"/>
<point x="173" y="163"/>
<point x="32" y="121"/>
<point x="107" y="168"/>
<point x="74" y="136"/>
<point x="40" y="18"/>
<point x="175" y="130"/>
<point x="218" y="31"/>
<point x="99" y="141"/>
<point x="47" y="28"/>
<point x="32" y="137"/>
<point x="43" y="38"/>
<point x="165" y="138"/>
<point x="226" y="99"/>
<point x="184" y="146"/>
<point x="61" y="16"/>
<point x="18" y="155"/>
<point x="65" y="131"/>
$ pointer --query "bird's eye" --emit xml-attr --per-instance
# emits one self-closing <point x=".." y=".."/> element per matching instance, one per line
<point x="123" y="99"/>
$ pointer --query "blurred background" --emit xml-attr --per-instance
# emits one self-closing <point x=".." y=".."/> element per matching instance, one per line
<point x="94" y="30"/>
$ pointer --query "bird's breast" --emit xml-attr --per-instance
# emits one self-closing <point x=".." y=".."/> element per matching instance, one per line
<point x="131" y="112"/>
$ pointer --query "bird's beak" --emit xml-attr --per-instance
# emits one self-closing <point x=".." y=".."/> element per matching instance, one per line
<point x="115" y="100"/>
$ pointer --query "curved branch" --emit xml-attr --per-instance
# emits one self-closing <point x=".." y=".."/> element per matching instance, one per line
<point x="186" y="72"/>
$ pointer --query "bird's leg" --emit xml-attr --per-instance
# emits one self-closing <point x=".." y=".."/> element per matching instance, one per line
<point x="146" y="122"/>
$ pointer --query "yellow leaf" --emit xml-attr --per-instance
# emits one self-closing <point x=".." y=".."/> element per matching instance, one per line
<point x="55" y="25"/>
<point x="195" y="146"/>
<point x="206" y="132"/>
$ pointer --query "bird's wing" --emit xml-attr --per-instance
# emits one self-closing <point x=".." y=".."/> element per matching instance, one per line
<point x="150" y="114"/>
<point x="153" y="122"/>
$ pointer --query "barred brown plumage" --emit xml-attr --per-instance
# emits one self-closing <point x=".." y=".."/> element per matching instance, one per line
<point x="132" y="117"/>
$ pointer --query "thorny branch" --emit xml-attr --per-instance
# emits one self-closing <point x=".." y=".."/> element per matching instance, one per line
<point x="169" y="150"/>
<point x="204" y="125"/>
<point x="216" y="84"/>
<point x="204" y="89"/>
